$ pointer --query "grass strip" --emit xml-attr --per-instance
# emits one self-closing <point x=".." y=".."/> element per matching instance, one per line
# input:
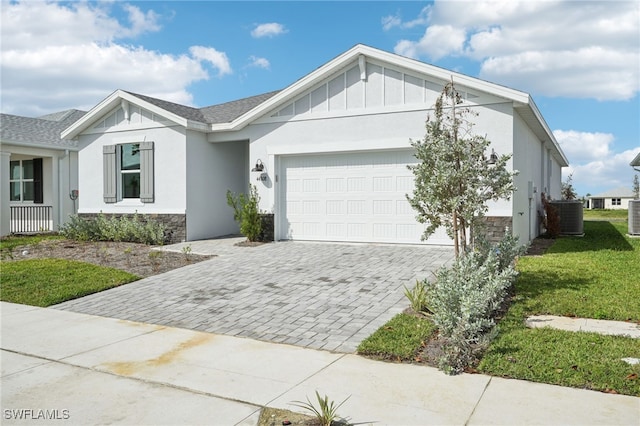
<point x="399" y="338"/>
<point x="45" y="282"/>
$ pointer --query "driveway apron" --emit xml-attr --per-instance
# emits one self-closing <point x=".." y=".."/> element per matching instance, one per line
<point x="315" y="295"/>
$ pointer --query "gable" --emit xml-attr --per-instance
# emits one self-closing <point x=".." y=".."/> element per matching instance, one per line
<point x="134" y="116"/>
<point x="368" y="86"/>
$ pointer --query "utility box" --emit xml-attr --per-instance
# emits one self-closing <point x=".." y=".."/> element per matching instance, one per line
<point x="571" y="216"/>
<point x="634" y="217"/>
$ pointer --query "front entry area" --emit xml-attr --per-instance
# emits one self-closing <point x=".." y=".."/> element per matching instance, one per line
<point x="350" y="197"/>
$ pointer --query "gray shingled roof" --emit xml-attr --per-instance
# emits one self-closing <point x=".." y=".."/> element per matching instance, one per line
<point x="636" y="161"/>
<point x="215" y="114"/>
<point x="44" y="131"/>
<point x="229" y="111"/>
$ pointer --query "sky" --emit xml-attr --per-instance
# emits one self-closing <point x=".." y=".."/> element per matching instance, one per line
<point x="579" y="60"/>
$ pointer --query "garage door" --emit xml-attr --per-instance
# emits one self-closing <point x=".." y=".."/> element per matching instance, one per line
<point x="354" y="197"/>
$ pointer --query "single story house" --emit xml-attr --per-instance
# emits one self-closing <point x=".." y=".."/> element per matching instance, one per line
<point x="616" y="199"/>
<point x="328" y="154"/>
<point x="635" y="163"/>
<point x="39" y="172"/>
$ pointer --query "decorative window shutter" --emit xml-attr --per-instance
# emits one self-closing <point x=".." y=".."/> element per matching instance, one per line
<point x="146" y="172"/>
<point x="38" y="195"/>
<point x="109" y="173"/>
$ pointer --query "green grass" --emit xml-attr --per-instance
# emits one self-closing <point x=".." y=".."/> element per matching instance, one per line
<point x="45" y="282"/>
<point x="399" y="338"/>
<point x="596" y="276"/>
<point x="609" y="215"/>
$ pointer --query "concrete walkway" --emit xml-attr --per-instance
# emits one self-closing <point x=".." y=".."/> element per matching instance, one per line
<point x="611" y="328"/>
<point x="95" y="370"/>
<point x="314" y="295"/>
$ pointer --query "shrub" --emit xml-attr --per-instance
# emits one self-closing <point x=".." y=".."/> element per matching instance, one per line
<point x="551" y="218"/>
<point x="246" y="212"/>
<point x="327" y="411"/>
<point x="465" y="297"/>
<point x="104" y="228"/>
<point x="418" y="297"/>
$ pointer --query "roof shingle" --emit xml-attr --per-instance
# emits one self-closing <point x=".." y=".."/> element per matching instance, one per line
<point x="43" y="131"/>
<point x="214" y="114"/>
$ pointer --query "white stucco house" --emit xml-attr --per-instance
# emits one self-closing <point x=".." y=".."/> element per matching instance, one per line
<point x="328" y="153"/>
<point x="39" y="172"/>
<point x="615" y="199"/>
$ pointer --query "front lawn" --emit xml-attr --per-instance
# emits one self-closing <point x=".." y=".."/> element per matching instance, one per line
<point x="45" y="282"/>
<point x="618" y="215"/>
<point x="595" y="276"/>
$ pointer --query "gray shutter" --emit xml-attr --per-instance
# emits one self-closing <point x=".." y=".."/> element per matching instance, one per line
<point x="146" y="172"/>
<point x="109" y="173"/>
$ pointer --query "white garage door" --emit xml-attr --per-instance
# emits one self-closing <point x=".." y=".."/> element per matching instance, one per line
<point x="358" y="197"/>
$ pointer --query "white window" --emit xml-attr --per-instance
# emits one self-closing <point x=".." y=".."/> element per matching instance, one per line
<point x="129" y="170"/>
<point x="21" y="186"/>
<point x="25" y="181"/>
<point x="616" y="202"/>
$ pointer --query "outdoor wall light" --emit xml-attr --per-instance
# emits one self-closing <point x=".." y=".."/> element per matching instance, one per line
<point x="259" y="166"/>
<point x="493" y="158"/>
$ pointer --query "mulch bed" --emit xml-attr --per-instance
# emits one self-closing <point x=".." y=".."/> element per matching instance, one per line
<point x="137" y="259"/>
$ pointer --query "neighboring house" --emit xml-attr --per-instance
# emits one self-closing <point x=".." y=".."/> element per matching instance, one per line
<point x="39" y="172"/>
<point x="328" y="154"/>
<point x="613" y="199"/>
<point x="635" y="163"/>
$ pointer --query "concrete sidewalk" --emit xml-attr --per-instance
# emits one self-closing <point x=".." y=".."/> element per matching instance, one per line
<point x="95" y="370"/>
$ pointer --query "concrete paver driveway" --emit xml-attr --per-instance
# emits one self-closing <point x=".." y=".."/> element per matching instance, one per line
<point x="316" y="295"/>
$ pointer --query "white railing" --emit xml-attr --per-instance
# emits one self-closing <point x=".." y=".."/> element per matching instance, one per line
<point x="31" y="219"/>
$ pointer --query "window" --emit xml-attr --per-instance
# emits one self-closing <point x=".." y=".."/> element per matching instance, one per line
<point x="616" y="201"/>
<point x="128" y="172"/>
<point x="25" y="180"/>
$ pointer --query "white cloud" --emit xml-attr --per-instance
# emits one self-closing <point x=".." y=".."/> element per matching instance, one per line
<point x="553" y="48"/>
<point x="259" y="62"/>
<point x="581" y="147"/>
<point x="270" y="29"/>
<point x="438" y="41"/>
<point x="218" y="59"/>
<point x="603" y="174"/>
<point x="391" y="21"/>
<point x="141" y="22"/>
<point x="69" y="55"/>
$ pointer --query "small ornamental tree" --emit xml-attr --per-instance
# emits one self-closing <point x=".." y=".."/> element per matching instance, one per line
<point x="453" y="181"/>
<point x="568" y="193"/>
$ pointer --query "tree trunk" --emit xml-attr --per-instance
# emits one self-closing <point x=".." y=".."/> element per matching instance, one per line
<point x="456" y="249"/>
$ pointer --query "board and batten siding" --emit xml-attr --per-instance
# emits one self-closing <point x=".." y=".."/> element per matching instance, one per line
<point x="383" y="87"/>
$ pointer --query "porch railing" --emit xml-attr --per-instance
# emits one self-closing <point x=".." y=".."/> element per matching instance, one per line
<point x="31" y="219"/>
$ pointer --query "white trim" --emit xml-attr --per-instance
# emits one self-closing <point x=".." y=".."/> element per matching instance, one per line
<point x="341" y="61"/>
<point x="341" y="147"/>
<point x="114" y="100"/>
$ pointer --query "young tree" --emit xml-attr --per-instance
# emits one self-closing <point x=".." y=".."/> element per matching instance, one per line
<point x="567" y="191"/>
<point x="636" y="187"/>
<point x="453" y="181"/>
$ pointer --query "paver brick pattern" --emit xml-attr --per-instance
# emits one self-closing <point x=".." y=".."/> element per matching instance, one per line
<point x="316" y="295"/>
